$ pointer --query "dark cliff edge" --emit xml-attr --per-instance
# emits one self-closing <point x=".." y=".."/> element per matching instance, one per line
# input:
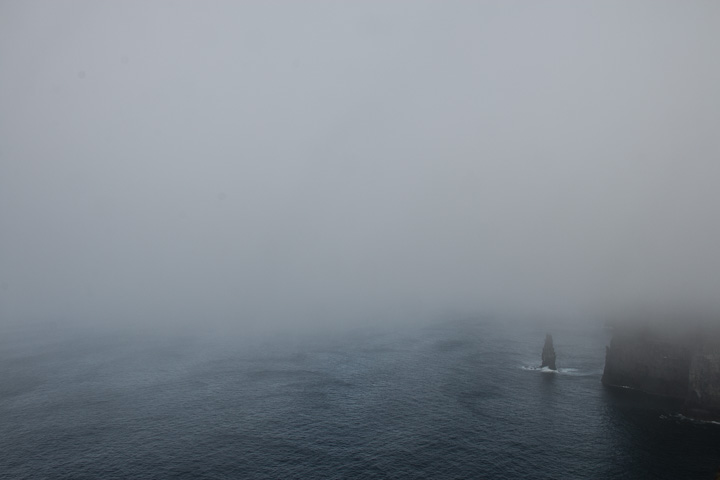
<point x="670" y="360"/>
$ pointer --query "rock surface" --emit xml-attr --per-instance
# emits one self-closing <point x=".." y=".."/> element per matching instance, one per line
<point x="548" y="354"/>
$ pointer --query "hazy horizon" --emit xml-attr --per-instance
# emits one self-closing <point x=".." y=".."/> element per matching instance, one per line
<point x="266" y="164"/>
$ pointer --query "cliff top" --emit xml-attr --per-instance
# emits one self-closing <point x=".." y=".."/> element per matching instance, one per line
<point x="690" y="332"/>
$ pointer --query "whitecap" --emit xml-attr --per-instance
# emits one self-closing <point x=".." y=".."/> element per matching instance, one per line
<point x="538" y="369"/>
<point x="573" y="372"/>
<point x="683" y="418"/>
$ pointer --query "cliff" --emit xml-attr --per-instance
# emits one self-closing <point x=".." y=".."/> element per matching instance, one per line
<point x="704" y="379"/>
<point x="681" y="362"/>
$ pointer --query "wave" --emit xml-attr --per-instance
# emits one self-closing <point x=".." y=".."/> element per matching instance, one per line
<point x="539" y="369"/>
<point x="574" y="372"/>
<point x="683" y="418"/>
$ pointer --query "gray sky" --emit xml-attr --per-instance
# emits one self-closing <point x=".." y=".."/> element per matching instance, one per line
<point x="245" y="162"/>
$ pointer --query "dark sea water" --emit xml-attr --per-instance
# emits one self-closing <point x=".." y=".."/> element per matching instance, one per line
<point x="451" y="399"/>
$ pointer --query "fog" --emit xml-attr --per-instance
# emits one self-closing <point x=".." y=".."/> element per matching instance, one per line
<point x="256" y="164"/>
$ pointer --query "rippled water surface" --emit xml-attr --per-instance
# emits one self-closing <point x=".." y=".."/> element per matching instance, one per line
<point x="454" y="399"/>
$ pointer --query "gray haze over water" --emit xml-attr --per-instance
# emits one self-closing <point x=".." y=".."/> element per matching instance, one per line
<point x="271" y="163"/>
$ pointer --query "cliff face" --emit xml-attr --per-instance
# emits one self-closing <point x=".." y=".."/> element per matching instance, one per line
<point x="703" y="393"/>
<point x="674" y="363"/>
<point x="648" y="364"/>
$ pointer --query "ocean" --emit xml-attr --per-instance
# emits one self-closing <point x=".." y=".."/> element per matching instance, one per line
<point x="459" y="398"/>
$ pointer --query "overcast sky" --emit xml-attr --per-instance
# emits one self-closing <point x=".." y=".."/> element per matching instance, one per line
<point x="246" y="162"/>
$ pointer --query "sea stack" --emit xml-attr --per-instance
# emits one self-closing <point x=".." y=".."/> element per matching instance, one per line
<point x="548" y="354"/>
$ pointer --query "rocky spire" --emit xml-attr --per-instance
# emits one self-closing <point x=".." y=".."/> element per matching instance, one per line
<point x="548" y="354"/>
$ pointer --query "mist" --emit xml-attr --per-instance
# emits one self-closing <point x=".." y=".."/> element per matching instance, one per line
<point x="277" y="164"/>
